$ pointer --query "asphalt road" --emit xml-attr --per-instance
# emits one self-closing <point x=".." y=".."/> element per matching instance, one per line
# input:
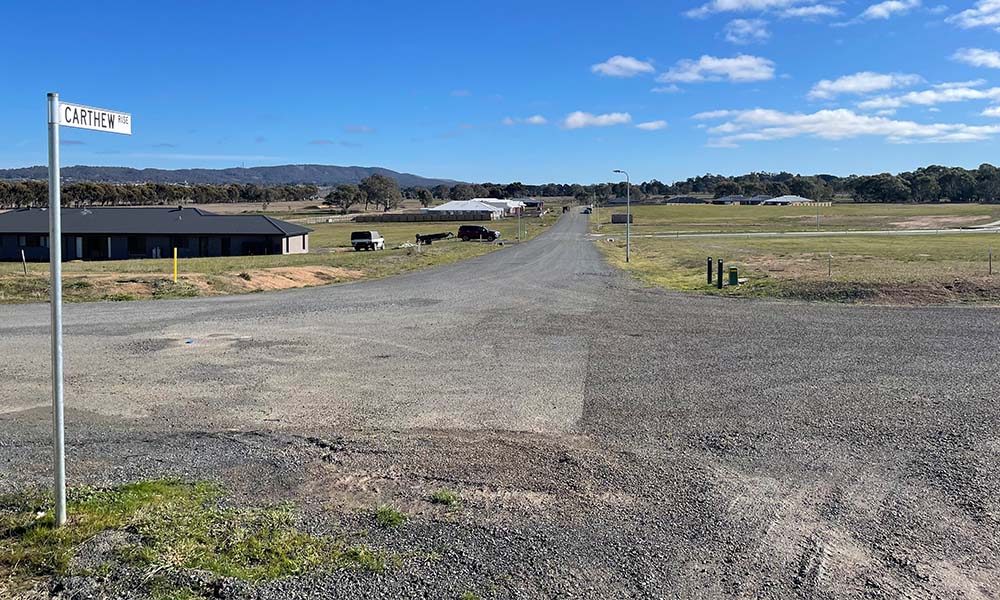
<point x="608" y="440"/>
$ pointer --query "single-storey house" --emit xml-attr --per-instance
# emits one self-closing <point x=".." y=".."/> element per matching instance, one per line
<point x="532" y="203"/>
<point x="509" y="207"/>
<point x="683" y="200"/>
<point x="471" y="208"/>
<point x="741" y="200"/>
<point x="121" y="233"/>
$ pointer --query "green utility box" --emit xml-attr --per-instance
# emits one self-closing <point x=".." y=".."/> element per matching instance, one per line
<point x="734" y="276"/>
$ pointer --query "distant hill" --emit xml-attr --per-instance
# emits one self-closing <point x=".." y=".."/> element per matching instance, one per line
<point x="277" y="175"/>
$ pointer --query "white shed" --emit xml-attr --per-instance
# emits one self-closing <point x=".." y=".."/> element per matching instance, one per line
<point x="467" y="207"/>
<point x="509" y="207"/>
<point x="787" y="201"/>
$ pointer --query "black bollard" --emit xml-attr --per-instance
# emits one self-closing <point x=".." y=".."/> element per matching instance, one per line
<point x="709" y="270"/>
<point x="719" y="283"/>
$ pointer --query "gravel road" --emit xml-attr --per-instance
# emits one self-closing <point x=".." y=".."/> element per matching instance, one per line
<point x="608" y="440"/>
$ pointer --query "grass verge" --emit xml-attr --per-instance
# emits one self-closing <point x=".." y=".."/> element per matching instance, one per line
<point x="163" y="526"/>
<point x="913" y="270"/>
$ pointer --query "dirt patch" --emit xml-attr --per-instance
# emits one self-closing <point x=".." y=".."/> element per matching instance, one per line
<point x="943" y="222"/>
<point x="280" y="278"/>
<point x="127" y="286"/>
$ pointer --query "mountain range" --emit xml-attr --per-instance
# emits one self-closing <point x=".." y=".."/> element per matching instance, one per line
<point x="323" y="175"/>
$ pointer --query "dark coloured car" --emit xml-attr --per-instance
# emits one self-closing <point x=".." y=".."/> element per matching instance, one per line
<point x="477" y="232"/>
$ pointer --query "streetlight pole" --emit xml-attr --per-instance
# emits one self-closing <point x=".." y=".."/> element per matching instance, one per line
<point x="628" y="215"/>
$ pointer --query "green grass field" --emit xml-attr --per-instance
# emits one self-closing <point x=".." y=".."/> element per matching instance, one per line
<point x="697" y="218"/>
<point x="923" y="269"/>
<point x="329" y="261"/>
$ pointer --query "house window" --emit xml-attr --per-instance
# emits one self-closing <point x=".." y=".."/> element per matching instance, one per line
<point x="33" y="241"/>
<point x="136" y="245"/>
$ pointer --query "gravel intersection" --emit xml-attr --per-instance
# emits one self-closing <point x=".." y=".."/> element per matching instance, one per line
<point x="607" y="440"/>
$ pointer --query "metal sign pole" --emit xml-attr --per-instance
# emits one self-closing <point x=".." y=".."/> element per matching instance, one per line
<point x="65" y="114"/>
<point x="55" y="302"/>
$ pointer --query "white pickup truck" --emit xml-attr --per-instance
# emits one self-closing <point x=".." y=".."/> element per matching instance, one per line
<point x="367" y="240"/>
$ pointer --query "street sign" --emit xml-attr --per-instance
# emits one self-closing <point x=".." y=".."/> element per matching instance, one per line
<point x="82" y="117"/>
<point x="98" y="119"/>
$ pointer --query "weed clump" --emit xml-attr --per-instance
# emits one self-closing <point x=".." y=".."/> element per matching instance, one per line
<point x="446" y="497"/>
<point x="387" y="516"/>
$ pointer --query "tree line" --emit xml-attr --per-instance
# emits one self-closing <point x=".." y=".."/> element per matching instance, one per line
<point x="33" y="193"/>
<point x="928" y="184"/>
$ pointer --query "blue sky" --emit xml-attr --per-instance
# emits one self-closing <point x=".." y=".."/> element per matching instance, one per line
<point x="530" y="91"/>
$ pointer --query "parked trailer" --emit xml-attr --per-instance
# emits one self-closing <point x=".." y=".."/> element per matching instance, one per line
<point x="430" y="238"/>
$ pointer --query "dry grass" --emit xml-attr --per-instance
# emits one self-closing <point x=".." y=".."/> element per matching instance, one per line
<point x="870" y="269"/>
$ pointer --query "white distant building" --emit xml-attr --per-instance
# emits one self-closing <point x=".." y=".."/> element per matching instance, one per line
<point x="787" y="201"/>
<point x="468" y="208"/>
<point x="509" y="207"/>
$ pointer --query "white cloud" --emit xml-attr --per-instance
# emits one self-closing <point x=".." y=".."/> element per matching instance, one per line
<point x="889" y="8"/>
<point x="666" y="89"/>
<point x="579" y="119"/>
<point x="622" y="66"/>
<point x="960" y="84"/>
<point x="747" y="31"/>
<point x="861" y="83"/>
<point x="713" y="115"/>
<point x="652" y="125"/>
<point x="993" y="111"/>
<point x="977" y="57"/>
<point x="741" y="69"/>
<point x="810" y="12"/>
<point x="986" y="13"/>
<point x="720" y="6"/>
<point x="765" y="125"/>
<point x="532" y="120"/>
<point x="938" y="95"/>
